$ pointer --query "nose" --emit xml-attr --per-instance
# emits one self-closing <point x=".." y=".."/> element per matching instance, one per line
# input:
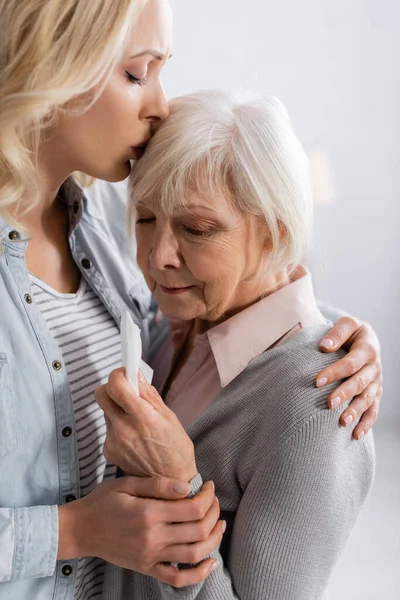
<point x="164" y="253"/>
<point x="156" y="108"/>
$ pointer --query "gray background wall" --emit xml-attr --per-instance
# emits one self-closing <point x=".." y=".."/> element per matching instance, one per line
<point x="334" y="63"/>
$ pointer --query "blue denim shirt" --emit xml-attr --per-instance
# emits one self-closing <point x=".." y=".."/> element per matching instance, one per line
<point x="38" y="453"/>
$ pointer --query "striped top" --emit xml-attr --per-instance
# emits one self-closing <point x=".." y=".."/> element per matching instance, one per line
<point x="89" y="340"/>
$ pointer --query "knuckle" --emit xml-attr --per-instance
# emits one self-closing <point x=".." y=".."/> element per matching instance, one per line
<point x="160" y="486"/>
<point x="352" y="322"/>
<point x="195" y="555"/>
<point x="147" y="518"/>
<point x="146" y="541"/>
<point x="374" y="352"/>
<point x="361" y="383"/>
<point x="378" y="368"/>
<point x="336" y="334"/>
<point x="198" y="511"/>
<point x="350" y="364"/>
<point x="177" y="580"/>
<point x="113" y="385"/>
<point x="369" y="399"/>
<point x="203" y="532"/>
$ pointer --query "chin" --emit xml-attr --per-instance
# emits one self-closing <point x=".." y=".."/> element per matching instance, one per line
<point x="174" y="312"/>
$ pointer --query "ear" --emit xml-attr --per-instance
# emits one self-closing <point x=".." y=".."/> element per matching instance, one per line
<point x="282" y="230"/>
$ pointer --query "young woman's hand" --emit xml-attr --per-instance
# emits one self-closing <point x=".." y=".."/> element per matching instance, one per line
<point x="362" y="365"/>
<point x="121" y="523"/>
<point x="144" y="437"/>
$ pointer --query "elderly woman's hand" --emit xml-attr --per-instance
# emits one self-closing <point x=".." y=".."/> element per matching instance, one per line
<point x="362" y="365"/>
<point x="144" y="437"/>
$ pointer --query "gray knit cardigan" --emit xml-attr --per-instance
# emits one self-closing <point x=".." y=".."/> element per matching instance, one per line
<point x="290" y="481"/>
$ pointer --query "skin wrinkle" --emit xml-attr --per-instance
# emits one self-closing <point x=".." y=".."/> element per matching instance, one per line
<point x="225" y="265"/>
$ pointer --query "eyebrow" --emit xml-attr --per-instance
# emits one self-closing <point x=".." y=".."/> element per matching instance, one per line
<point x="190" y="206"/>
<point x="154" y="53"/>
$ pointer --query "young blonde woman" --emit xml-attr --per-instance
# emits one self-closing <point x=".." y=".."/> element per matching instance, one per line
<point x="79" y="91"/>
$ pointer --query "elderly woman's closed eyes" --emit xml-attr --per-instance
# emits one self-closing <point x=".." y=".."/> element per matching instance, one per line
<point x="223" y="211"/>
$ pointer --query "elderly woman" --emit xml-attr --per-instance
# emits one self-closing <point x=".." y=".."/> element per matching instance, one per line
<point x="223" y="211"/>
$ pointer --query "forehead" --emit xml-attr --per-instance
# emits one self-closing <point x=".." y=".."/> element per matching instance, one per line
<point x="196" y="202"/>
<point x="152" y="30"/>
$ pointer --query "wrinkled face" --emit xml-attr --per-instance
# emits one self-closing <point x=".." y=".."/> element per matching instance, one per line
<point x="103" y="140"/>
<point x="205" y="261"/>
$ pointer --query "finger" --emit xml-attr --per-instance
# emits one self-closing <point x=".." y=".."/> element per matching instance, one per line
<point x="345" y="367"/>
<point x="189" y="509"/>
<point x="368" y="419"/>
<point x="339" y="334"/>
<point x="108" y="406"/>
<point x="149" y="393"/>
<point x="178" y="579"/>
<point x="119" y="390"/>
<point x="359" y="405"/>
<point x="194" y="553"/>
<point x="156" y="488"/>
<point x="192" y="531"/>
<point x="354" y="386"/>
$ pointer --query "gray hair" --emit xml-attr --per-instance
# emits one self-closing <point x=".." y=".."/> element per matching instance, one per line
<point x="214" y="143"/>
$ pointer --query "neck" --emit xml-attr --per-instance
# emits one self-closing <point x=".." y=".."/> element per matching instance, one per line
<point x="52" y="174"/>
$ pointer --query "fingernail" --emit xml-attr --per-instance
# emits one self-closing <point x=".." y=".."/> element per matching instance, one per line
<point x="322" y="381"/>
<point x="141" y="376"/>
<point x="335" y="402"/>
<point x="216" y="497"/>
<point x="223" y="526"/>
<point x="327" y="344"/>
<point x="361" y="434"/>
<point x="213" y="484"/>
<point x="214" y="565"/>
<point x="180" y="487"/>
<point x="348" y="420"/>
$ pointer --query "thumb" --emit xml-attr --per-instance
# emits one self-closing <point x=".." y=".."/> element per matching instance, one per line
<point x="156" y="487"/>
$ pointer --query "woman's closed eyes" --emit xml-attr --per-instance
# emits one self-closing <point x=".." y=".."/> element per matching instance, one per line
<point x="136" y="80"/>
<point x="199" y="232"/>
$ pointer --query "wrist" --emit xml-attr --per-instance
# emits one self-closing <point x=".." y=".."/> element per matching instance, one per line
<point x="69" y="531"/>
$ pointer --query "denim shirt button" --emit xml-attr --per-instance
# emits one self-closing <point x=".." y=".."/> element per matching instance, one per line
<point x="14" y="235"/>
<point x="67" y="432"/>
<point x="70" y="498"/>
<point x="56" y="365"/>
<point x="28" y="298"/>
<point x="86" y="264"/>
<point x="67" y="570"/>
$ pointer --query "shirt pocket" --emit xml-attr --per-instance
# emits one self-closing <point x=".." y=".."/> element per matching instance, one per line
<point x="8" y="418"/>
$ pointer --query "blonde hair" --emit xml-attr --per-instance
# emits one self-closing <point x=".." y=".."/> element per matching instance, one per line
<point x="51" y="51"/>
<point x="214" y="143"/>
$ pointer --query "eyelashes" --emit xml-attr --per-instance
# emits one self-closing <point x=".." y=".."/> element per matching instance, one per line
<point x="198" y="233"/>
<point x="145" y="221"/>
<point x="135" y="80"/>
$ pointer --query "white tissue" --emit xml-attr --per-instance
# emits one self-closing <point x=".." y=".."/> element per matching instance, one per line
<point x="131" y="349"/>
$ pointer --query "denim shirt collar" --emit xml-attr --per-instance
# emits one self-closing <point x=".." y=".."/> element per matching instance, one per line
<point x="72" y="194"/>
